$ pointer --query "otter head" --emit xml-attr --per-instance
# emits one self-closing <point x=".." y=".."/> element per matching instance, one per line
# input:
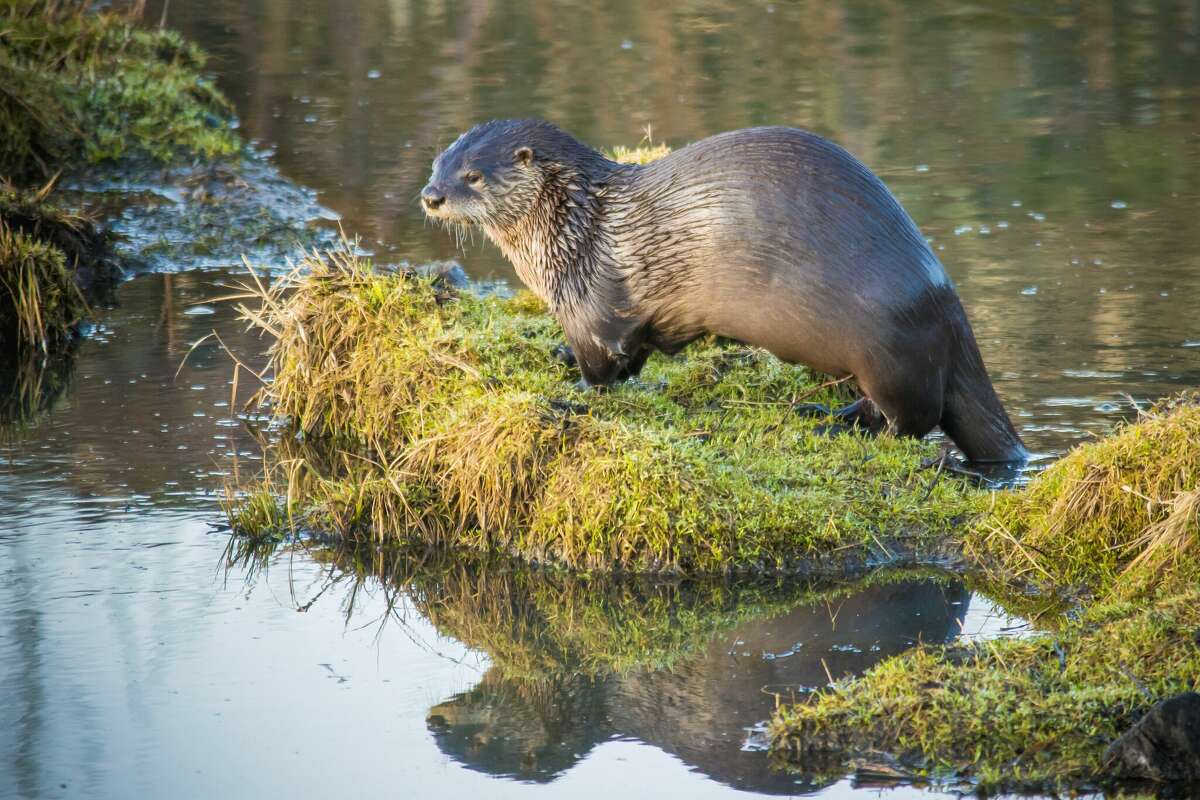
<point x="488" y="177"/>
<point x="533" y="189"/>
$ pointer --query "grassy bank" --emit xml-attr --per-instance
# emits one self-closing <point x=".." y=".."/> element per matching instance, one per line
<point x="1113" y="524"/>
<point x="79" y="87"/>
<point x="444" y="418"/>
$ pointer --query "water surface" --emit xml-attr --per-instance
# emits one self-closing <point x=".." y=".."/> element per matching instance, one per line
<point x="1051" y="152"/>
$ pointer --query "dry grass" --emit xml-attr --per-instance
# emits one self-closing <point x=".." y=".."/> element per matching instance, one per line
<point x="444" y="418"/>
<point x="1111" y="515"/>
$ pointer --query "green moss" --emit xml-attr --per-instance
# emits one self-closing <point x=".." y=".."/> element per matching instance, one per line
<point x="446" y="420"/>
<point x="1010" y="714"/>
<point x="1115" y="524"/>
<point x="79" y="87"/>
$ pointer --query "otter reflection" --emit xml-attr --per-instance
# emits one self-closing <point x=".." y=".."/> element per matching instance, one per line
<point x="699" y="708"/>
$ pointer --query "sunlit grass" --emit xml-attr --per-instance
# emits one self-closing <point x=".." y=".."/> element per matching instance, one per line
<point x="444" y="418"/>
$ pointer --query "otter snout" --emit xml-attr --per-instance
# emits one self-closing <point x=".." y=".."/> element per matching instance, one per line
<point x="432" y="197"/>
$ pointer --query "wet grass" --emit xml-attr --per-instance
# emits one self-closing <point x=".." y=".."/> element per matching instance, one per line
<point x="443" y="418"/>
<point x="83" y="87"/>
<point x="1112" y="524"/>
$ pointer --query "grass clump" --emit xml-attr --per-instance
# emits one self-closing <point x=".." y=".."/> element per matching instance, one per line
<point x="83" y="87"/>
<point x="47" y="257"/>
<point x="1113" y="524"/>
<point x="39" y="302"/>
<point x="443" y="418"/>
<point x="1118" y="514"/>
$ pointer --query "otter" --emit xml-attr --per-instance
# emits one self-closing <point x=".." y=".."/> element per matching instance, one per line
<point x="773" y="236"/>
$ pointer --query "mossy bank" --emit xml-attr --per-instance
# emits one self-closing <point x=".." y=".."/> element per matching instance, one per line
<point x="441" y="417"/>
<point x="78" y="86"/>
<point x="1114" y="527"/>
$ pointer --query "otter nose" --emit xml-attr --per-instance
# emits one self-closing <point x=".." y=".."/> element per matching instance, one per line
<point x="432" y="197"/>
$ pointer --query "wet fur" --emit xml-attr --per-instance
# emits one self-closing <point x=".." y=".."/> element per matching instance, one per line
<point x="774" y="237"/>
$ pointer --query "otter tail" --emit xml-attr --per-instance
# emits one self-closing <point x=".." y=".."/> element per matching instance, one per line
<point x="971" y="412"/>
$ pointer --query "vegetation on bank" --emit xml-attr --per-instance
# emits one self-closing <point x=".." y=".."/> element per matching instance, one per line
<point x="444" y="418"/>
<point x="78" y="86"/>
<point x="1115" y="523"/>
<point x="43" y="249"/>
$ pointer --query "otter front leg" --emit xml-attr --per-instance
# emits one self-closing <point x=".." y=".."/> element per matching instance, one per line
<point x="563" y="354"/>
<point x="598" y="365"/>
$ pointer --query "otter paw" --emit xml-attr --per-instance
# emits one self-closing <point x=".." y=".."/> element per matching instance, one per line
<point x="562" y="354"/>
<point x="812" y="410"/>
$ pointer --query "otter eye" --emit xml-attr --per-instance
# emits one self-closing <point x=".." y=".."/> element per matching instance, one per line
<point x="474" y="176"/>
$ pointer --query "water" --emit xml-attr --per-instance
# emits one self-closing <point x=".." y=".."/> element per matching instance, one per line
<point x="1051" y="153"/>
<point x="138" y="658"/>
<point x="1052" y="157"/>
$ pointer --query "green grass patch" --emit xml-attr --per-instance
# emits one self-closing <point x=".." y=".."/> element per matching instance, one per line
<point x="1114" y="525"/>
<point x="1120" y="514"/>
<point x="82" y="87"/>
<point x="443" y="418"/>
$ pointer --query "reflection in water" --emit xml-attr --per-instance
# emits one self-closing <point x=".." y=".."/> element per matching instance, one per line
<point x="31" y="384"/>
<point x="1050" y="152"/>
<point x="701" y="708"/>
<point x="689" y="667"/>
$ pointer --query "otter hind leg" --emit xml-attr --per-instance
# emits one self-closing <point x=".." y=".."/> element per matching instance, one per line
<point x="909" y="407"/>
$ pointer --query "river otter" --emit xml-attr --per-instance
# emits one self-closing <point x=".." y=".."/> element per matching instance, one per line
<point x="774" y="237"/>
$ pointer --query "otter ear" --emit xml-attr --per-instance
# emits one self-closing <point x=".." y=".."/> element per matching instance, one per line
<point x="524" y="155"/>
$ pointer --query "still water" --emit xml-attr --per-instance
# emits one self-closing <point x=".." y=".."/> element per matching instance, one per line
<point x="1050" y="152"/>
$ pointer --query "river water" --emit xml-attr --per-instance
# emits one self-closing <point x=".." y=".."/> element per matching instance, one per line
<point x="1051" y="154"/>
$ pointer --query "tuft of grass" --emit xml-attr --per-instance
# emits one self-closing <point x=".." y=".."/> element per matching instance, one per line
<point x="1118" y="514"/>
<point x="443" y="418"/>
<point x="46" y="256"/>
<point x="642" y="154"/>
<point x="39" y="302"/>
<point x="84" y="87"/>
